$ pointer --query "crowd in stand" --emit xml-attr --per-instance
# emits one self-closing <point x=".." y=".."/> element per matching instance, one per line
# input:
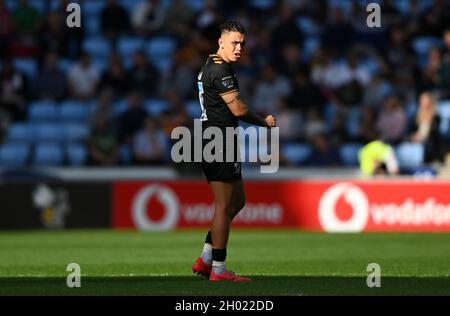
<point x="327" y="77"/>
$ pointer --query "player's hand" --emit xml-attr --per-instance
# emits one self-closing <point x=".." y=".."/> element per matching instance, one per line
<point x="271" y="121"/>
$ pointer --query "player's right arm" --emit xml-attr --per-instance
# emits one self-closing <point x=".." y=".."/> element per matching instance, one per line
<point x="242" y="112"/>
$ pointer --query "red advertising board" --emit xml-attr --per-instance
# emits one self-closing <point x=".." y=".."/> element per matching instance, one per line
<point x="331" y="206"/>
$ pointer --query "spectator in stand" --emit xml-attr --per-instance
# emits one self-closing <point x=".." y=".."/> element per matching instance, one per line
<point x="324" y="153"/>
<point x="102" y="144"/>
<point x="286" y="30"/>
<point x="176" y="115"/>
<point x="143" y="76"/>
<point x="26" y="18"/>
<point x="83" y="78"/>
<point x="114" y="20"/>
<point x="314" y="125"/>
<point x="426" y="128"/>
<point x="289" y="121"/>
<point x="178" y="18"/>
<point x="150" y="144"/>
<point x="51" y="83"/>
<point x="6" y="29"/>
<point x="367" y="129"/>
<point x="104" y="107"/>
<point x="306" y="94"/>
<point x="392" y="121"/>
<point x="338" y="33"/>
<point x="378" y="158"/>
<point x="54" y="35"/>
<point x="27" y="21"/>
<point x="132" y="120"/>
<point x="148" y="17"/>
<point x="436" y="74"/>
<point x="13" y="91"/>
<point x="270" y="90"/>
<point x="115" y="77"/>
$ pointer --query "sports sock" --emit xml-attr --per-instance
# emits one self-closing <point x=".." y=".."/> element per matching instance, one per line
<point x="207" y="249"/>
<point x="219" y="256"/>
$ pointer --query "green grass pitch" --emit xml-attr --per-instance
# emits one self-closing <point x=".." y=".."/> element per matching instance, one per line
<point x="281" y="262"/>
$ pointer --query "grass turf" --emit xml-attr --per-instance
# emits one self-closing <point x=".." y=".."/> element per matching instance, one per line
<point x="281" y="263"/>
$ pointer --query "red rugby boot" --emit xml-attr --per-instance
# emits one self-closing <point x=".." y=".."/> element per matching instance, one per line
<point x="202" y="268"/>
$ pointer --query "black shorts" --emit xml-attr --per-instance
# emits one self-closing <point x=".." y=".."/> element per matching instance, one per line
<point x="222" y="170"/>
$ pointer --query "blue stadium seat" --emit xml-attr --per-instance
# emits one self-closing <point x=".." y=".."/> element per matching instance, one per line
<point x="410" y="155"/>
<point x="193" y="108"/>
<point x="20" y="133"/>
<point x="296" y="153"/>
<point x="160" y="46"/>
<point x="92" y="26"/>
<point x="353" y="121"/>
<point x="310" y="45"/>
<point x="14" y="155"/>
<point x="127" y="45"/>
<point x="97" y="47"/>
<point x="263" y="4"/>
<point x="48" y="155"/>
<point x="163" y="63"/>
<point x="93" y="8"/>
<point x="156" y="106"/>
<point x="76" y="132"/>
<point x="349" y="154"/>
<point x="47" y="132"/>
<point x="76" y="154"/>
<point x="73" y="111"/>
<point x="42" y="111"/>
<point x="196" y="5"/>
<point x="423" y="44"/>
<point x="27" y="66"/>
<point x="307" y="26"/>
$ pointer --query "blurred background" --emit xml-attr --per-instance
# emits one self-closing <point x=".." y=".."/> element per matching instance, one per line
<point x="109" y="93"/>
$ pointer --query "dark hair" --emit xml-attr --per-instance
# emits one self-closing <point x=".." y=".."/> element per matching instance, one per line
<point x="232" y="26"/>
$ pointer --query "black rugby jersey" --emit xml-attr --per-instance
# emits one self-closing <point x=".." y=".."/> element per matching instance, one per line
<point x="216" y="78"/>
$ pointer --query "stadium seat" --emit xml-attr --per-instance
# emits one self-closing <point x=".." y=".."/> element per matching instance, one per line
<point x="27" y="66"/>
<point x="193" y="108"/>
<point x="75" y="132"/>
<point x="310" y="45"/>
<point x="48" y="155"/>
<point x="76" y="154"/>
<point x="127" y="45"/>
<point x="160" y="47"/>
<point x="42" y="111"/>
<point x="296" y="153"/>
<point x="92" y="9"/>
<point x="162" y="63"/>
<point x="410" y="155"/>
<point x="349" y="154"/>
<point x="92" y="26"/>
<point x="14" y="155"/>
<point x="353" y="117"/>
<point x="196" y="5"/>
<point x="156" y="106"/>
<point x="48" y="133"/>
<point x="20" y="133"/>
<point x="423" y="44"/>
<point x="307" y="26"/>
<point x="97" y="47"/>
<point x="73" y="111"/>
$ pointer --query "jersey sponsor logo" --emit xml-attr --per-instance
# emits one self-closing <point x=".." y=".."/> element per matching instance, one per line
<point x="228" y="82"/>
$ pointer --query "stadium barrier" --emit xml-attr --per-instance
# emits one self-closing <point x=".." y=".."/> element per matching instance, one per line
<point x="331" y="206"/>
<point x="55" y="205"/>
<point x="316" y="205"/>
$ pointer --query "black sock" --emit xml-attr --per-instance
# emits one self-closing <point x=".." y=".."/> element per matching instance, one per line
<point x="219" y="254"/>
<point x="208" y="239"/>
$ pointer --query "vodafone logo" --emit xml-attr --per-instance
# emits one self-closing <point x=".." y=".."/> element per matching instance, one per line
<point x="352" y="195"/>
<point x="166" y="197"/>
